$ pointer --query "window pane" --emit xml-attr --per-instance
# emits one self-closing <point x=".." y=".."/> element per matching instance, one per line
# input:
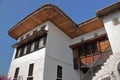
<point x="87" y="48"/>
<point x="41" y="43"/>
<point x="31" y="66"/>
<point x="18" y="53"/>
<point x="32" y="46"/>
<point x="25" y="50"/>
<point x="59" y="71"/>
<point x="45" y="39"/>
<point x="58" y="79"/>
<point x="16" y="73"/>
<point x="36" y="44"/>
<point x="81" y="51"/>
<point x="21" y="51"/>
<point x="30" y="78"/>
<point x="94" y="47"/>
<point x="28" y="48"/>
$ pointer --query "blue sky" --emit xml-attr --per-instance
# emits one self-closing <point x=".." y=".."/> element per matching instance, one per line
<point x="12" y="11"/>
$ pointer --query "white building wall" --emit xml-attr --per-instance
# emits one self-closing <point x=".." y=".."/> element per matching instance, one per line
<point x="59" y="53"/>
<point x="113" y="31"/>
<point x="23" y="63"/>
<point x="46" y="60"/>
<point x="37" y="57"/>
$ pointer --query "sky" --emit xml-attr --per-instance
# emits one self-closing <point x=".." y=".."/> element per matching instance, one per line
<point x="12" y="11"/>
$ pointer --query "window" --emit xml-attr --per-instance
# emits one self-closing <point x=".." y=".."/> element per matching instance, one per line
<point x="36" y="44"/>
<point x="16" y="73"/>
<point x="116" y="21"/>
<point x="30" y="72"/>
<point x="18" y="52"/>
<point x="40" y="44"/>
<point x="81" y="51"/>
<point x="31" y="66"/>
<point x="87" y="48"/>
<point x="59" y="72"/>
<point x="28" y="48"/>
<point x="94" y="47"/>
<point x="21" y="51"/>
<point x="25" y="50"/>
<point x="32" y="47"/>
<point x="30" y="78"/>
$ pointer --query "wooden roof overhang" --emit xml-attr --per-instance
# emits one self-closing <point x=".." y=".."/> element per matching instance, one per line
<point x="41" y="15"/>
<point x="56" y="16"/>
<point x="88" y="26"/>
<point x="107" y="10"/>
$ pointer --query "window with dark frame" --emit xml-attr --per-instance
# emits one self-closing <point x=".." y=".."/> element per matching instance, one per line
<point x="30" y="78"/>
<point x="30" y="72"/>
<point x="40" y="44"/>
<point x="21" y="52"/>
<point x="88" y="48"/>
<point x="81" y="51"/>
<point x="31" y="46"/>
<point x="28" y="48"/>
<point x="18" y="52"/>
<point x="25" y="50"/>
<point x="59" y="72"/>
<point x="94" y="47"/>
<point x="16" y="73"/>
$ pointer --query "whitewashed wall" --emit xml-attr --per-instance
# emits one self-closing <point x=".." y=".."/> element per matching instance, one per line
<point x="59" y="53"/>
<point x="36" y="57"/>
<point x="113" y="31"/>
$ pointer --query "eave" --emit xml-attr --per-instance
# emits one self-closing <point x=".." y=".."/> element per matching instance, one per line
<point x="52" y="13"/>
<point x="89" y="26"/>
<point x="109" y="9"/>
<point x="41" y="15"/>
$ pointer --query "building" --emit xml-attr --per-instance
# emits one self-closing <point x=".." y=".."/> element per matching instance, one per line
<point x="50" y="46"/>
